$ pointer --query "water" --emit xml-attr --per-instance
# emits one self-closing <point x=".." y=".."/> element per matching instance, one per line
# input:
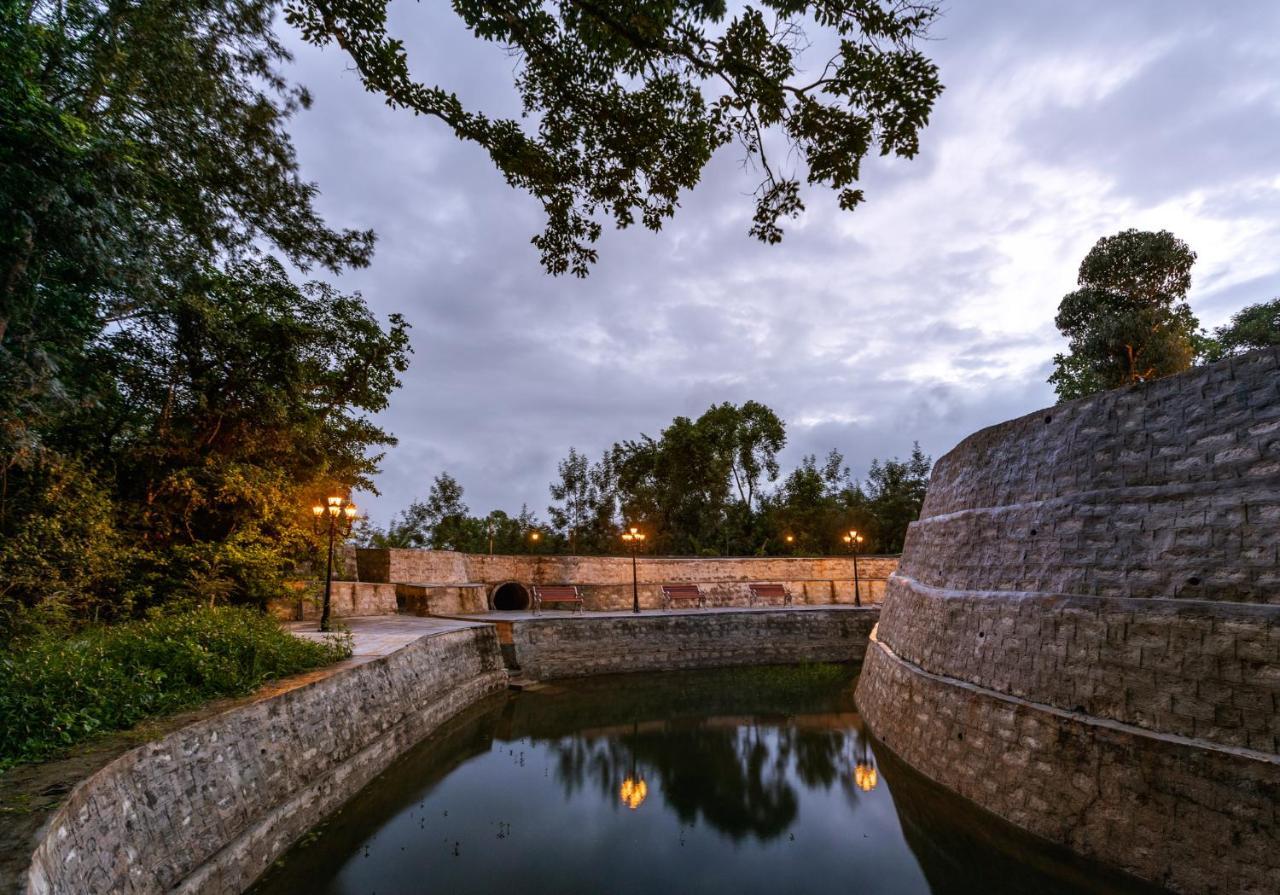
<point x="734" y="781"/>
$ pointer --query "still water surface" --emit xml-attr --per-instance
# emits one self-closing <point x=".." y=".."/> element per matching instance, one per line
<point x="737" y="781"/>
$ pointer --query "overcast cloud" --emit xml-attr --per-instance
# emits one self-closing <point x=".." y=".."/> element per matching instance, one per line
<point x="925" y="314"/>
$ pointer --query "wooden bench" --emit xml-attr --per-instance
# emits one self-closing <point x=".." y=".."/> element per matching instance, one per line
<point x="673" y="592"/>
<point x="555" y="593"/>
<point x="770" y="592"/>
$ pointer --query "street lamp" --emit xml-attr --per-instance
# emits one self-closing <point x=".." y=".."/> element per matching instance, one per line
<point x="634" y="538"/>
<point x="338" y="513"/>
<point x="854" y="540"/>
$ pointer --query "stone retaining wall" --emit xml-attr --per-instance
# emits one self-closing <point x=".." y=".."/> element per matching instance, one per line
<point x="1160" y="807"/>
<point x="606" y="580"/>
<point x="548" y="648"/>
<point x="347" y="599"/>
<point x="209" y="807"/>
<point x="1085" y="628"/>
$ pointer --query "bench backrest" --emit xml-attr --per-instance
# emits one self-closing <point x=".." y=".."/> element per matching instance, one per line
<point x="557" y="591"/>
<point x="682" y="590"/>
<point x="768" y="590"/>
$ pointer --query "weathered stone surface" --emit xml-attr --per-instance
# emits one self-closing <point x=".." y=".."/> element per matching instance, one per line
<point x="606" y="580"/>
<point x="209" y="807"/>
<point x="606" y="644"/>
<point x="1084" y="634"/>
<point x="347" y="599"/>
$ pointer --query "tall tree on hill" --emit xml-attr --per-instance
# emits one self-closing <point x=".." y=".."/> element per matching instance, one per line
<point x="1129" y="321"/>
<point x="625" y="101"/>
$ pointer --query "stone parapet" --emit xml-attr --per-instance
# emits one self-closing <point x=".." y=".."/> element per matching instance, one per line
<point x="606" y="580"/>
<point x="548" y="648"/>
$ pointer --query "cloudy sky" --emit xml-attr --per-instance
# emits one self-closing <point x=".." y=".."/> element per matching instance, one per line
<point x="924" y="315"/>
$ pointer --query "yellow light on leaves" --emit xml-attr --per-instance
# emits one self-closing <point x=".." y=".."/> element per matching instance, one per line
<point x="633" y="792"/>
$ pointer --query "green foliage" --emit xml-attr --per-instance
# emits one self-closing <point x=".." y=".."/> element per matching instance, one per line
<point x="1257" y="326"/>
<point x="164" y="384"/>
<point x="58" y="689"/>
<point x="1128" y="322"/>
<point x="700" y="488"/>
<point x="626" y="100"/>
<point x="696" y="486"/>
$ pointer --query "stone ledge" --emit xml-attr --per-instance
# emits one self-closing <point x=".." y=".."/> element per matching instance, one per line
<point x="1196" y="817"/>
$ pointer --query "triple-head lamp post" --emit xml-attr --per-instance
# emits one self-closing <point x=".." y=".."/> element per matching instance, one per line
<point x="633" y="538"/>
<point x="854" y="540"/>
<point x="339" y="514"/>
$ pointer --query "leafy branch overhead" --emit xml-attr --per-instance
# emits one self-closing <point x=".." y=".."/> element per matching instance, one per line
<point x="626" y="100"/>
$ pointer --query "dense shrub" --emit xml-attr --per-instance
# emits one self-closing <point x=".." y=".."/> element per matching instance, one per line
<point x="57" y="689"/>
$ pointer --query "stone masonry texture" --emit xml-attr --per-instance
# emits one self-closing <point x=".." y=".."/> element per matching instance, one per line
<point x="209" y="807"/>
<point x="605" y="581"/>
<point x="608" y="644"/>
<point x="1084" y="632"/>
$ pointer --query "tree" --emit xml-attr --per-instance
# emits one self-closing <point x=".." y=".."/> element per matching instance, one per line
<point x="625" y="102"/>
<point x="895" y="494"/>
<point x="1257" y="326"/>
<point x="577" y="496"/>
<point x="1128" y="322"/>
<point x="152" y="351"/>
<point x="697" y="486"/>
<point x="813" y="505"/>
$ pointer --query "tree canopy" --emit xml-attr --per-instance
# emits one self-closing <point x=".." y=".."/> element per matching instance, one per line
<point x="1128" y="321"/>
<point x="624" y="102"/>
<point x="702" y="487"/>
<point x="1256" y="326"/>
<point x="171" y="399"/>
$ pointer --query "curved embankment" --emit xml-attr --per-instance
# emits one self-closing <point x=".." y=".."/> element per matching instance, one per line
<point x="210" y="806"/>
<point x="1084" y="633"/>
<point x="207" y="808"/>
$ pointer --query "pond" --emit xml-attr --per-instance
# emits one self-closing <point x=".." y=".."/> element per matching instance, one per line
<point x="727" y="781"/>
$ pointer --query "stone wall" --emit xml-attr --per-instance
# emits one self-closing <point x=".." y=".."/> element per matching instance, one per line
<point x="348" y="599"/>
<point x="1087" y="615"/>
<point x="606" y="580"/>
<point x="548" y="648"/>
<point x="209" y="807"/>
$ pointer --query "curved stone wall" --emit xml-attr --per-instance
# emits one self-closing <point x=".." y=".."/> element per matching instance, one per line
<point x="209" y="807"/>
<point x="1084" y="633"/>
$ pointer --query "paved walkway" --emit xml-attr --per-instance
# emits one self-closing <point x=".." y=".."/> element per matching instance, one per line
<point x="379" y="635"/>
<point x="524" y="615"/>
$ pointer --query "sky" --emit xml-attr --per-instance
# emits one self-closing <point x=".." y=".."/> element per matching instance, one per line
<point x="924" y="315"/>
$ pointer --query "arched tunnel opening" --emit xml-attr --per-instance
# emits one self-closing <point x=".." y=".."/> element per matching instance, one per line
<point x="510" y="596"/>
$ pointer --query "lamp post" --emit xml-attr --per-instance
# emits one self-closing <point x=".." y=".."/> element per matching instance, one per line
<point x="854" y="540"/>
<point x="333" y="510"/>
<point x="534" y="537"/>
<point x="634" y="538"/>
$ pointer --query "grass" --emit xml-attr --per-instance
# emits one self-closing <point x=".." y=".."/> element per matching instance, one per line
<point x="58" y="689"/>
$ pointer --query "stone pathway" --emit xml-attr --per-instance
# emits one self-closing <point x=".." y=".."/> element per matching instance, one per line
<point x="380" y="635"/>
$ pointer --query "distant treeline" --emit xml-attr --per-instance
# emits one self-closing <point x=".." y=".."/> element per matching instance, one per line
<point x="705" y="487"/>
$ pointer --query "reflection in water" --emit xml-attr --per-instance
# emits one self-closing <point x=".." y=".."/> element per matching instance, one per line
<point x="750" y="780"/>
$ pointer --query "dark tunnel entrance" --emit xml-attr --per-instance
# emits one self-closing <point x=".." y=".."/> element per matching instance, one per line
<point x="510" y="596"/>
